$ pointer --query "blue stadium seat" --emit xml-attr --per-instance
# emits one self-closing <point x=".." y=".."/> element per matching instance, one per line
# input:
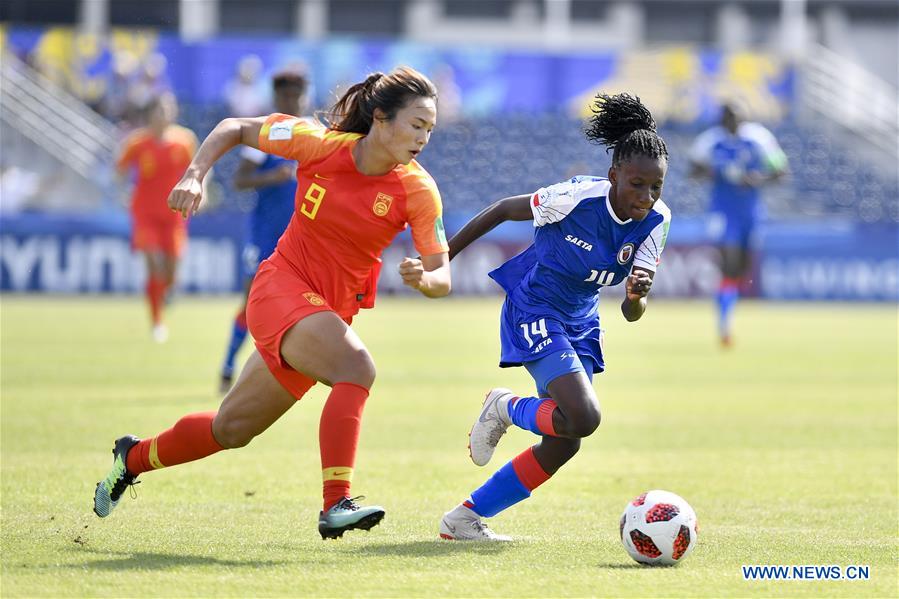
<point x="477" y="161"/>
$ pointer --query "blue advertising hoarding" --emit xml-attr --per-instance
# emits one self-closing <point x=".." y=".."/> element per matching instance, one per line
<point x="797" y="261"/>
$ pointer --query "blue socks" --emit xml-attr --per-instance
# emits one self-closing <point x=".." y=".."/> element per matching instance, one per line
<point x="501" y="490"/>
<point x="533" y="414"/>
<point x="508" y="485"/>
<point x="727" y="299"/>
<point x="238" y="334"/>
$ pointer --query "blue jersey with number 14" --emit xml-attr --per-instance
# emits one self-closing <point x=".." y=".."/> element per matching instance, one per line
<point x="580" y="246"/>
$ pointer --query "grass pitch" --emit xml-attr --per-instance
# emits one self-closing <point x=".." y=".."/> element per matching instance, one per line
<point x="786" y="446"/>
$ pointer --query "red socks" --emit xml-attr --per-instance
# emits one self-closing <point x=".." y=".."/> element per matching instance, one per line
<point x="545" y="417"/>
<point x="155" y="290"/>
<point x="528" y="469"/>
<point x="241" y="319"/>
<point x="728" y="284"/>
<point x="190" y="439"/>
<point x="338" y="436"/>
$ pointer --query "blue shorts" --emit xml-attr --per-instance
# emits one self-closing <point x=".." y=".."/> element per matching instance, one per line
<point x="732" y="230"/>
<point x="553" y="365"/>
<point x="546" y="346"/>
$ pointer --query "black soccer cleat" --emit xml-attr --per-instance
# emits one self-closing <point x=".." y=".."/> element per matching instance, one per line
<point x="110" y="489"/>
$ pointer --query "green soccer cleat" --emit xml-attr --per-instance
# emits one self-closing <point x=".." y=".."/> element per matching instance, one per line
<point x="110" y="489"/>
<point x="347" y="515"/>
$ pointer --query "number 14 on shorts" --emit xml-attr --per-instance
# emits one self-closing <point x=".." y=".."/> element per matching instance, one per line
<point x="534" y="330"/>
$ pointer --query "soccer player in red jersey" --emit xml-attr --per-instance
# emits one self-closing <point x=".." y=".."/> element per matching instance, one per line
<point x="358" y="185"/>
<point x="157" y="155"/>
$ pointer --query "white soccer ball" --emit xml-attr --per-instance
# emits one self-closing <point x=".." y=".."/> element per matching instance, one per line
<point x="658" y="528"/>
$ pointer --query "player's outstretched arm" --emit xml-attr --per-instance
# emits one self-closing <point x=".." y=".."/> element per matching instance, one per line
<point x="637" y="286"/>
<point x="513" y="208"/>
<point x="188" y="192"/>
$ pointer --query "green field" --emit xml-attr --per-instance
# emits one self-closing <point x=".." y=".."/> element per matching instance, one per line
<point x="786" y="446"/>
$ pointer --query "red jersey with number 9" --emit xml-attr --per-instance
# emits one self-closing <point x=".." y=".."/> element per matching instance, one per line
<point x="343" y="219"/>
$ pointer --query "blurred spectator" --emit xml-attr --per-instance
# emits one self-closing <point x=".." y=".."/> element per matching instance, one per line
<point x="449" y="96"/>
<point x="581" y="168"/>
<point x="150" y="84"/>
<point x="242" y="93"/>
<point x="116" y="102"/>
<point x="18" y="188"/>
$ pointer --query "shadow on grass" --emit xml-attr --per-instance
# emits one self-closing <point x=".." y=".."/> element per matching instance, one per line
<point x="630" y="566"/>
<point x="435" y="548"/>
<point x="143" y="560"/>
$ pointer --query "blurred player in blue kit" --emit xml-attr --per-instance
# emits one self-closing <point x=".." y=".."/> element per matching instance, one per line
<point x="739" y="157"/>
<point x="274" y="179"/>
<point x="590" y="232"/>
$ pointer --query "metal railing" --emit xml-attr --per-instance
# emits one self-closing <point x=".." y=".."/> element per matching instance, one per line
<point x="836" y="89"/>
<point x="55" y="120"/>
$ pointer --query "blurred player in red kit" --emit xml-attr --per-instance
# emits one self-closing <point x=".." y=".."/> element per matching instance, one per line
<point x="157" y="155"/>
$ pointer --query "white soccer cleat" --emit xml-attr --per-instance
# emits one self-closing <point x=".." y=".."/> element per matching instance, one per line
<point x="462" y="524"/>
<point x="160" y="333"/>
<point x="490" y="426"/>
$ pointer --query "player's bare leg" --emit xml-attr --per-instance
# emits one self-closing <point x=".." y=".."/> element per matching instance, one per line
<point x="323" y="347"/>
<point x="735" y="262"/>
<point x="578" y="414"/>
<point x="254" y="404"/>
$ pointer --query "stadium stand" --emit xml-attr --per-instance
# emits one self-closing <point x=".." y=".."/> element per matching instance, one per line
<point x="478" y="160"/>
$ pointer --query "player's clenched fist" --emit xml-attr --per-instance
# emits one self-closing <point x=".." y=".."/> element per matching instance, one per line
<point x="186" y="195"/>
<point x="412" y="272"/>
<point x="638" y="284"/>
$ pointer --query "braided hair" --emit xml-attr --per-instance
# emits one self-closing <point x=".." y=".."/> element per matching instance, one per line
<point x="624" y="125"/>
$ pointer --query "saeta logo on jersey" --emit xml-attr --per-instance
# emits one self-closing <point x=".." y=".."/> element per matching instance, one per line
<point x="580" y="243"/>
<point x="382" y="204"/>
<point x="625" y="253"/>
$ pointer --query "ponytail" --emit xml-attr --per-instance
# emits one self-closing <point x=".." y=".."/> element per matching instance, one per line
<point x="354" y="111"/>
<point x="624" y="125"/>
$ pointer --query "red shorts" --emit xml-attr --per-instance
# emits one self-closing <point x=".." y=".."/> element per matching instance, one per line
<point x="279" y="298"/>
<point x="167" y="238"/>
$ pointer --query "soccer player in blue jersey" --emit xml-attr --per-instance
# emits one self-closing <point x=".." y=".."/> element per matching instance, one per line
<point x="739" y="157"/>
<point x="274" y="179"/>
<point x="590" y="232"/>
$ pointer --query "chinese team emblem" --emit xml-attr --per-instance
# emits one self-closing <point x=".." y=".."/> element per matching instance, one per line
<point x="382" y="204"/>
<point x="314" y="298"/>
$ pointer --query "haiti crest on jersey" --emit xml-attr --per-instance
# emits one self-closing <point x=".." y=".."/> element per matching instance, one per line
<point x="382" y="204"/>
<point x="625" y="253"/>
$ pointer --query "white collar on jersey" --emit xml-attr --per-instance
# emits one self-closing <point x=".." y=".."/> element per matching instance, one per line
<point x="612" y="212"/>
